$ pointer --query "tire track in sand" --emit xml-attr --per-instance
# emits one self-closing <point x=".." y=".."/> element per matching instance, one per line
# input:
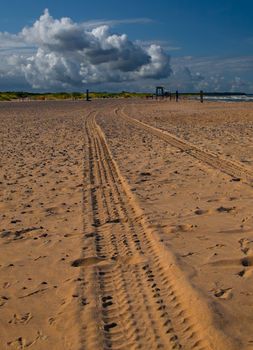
<point x="135" y="295"/>
<point x="234" y="169"/>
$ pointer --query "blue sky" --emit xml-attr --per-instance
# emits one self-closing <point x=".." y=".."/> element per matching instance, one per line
<point x="210" y="43"/>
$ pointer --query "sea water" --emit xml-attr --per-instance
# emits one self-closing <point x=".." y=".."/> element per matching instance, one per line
<point x="229" y="98"/>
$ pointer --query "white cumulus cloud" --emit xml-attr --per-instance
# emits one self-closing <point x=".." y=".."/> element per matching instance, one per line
<point x="66" y="54"/>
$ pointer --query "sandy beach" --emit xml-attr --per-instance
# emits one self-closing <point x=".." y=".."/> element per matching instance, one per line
<point x="126" y="224"/>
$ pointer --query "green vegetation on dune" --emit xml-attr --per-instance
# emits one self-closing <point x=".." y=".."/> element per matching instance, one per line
<point x="17" y="95"/>
<point x="8" y="96"/>
<point x="122" y="94"/>
<point x="20" y="95"/>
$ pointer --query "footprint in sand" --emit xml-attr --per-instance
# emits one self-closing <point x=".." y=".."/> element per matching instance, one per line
<point x="51" y="320"/>
<point x="6" y="285"/>
<point x="21" y="343"/>
<point x="199" y="211"/>
<point x="181" y="228"/>
<point x="3" y="300"/>
<point x="225" y="209"/>
<point x="247" y="261"/>
<point x="21" y="319"/>
<point x="245" y="245"/>
<point x="223" y="293"/>
<point x="90" y="261"/>
<point x="245" y="273"/>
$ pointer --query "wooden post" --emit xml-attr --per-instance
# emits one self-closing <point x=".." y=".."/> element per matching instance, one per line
<point x="177" y="96"/>
<point x="201" y="96"/>
<point x="87" y="95"/>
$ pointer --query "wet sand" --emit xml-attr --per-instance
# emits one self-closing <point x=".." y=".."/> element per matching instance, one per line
<point x="126" y="224"/>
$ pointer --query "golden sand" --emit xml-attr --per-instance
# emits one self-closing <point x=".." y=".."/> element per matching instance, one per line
<point x="126" y="224"/>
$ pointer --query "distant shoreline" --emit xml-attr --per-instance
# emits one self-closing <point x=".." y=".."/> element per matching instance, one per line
<point x="63" y="96"/>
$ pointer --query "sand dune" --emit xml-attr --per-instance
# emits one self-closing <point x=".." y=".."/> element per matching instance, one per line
<point x="125" y="225"/>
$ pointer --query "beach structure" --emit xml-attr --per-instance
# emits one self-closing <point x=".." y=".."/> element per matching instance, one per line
<point x="201" y="96"/>
<point x="87" y="95"/>
<point x="159" y="92"/>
